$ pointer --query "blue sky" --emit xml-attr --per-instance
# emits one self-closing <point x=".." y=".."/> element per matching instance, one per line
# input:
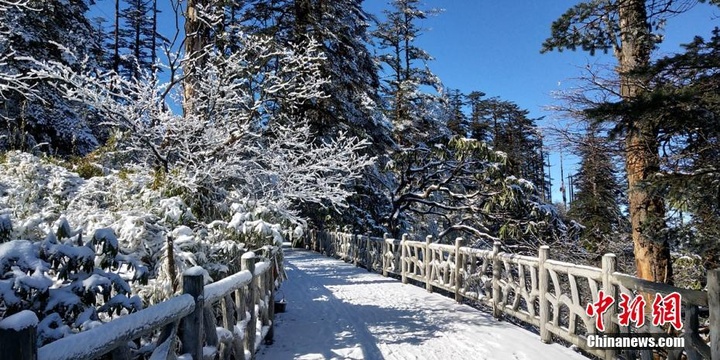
<point x="494" y="47"/>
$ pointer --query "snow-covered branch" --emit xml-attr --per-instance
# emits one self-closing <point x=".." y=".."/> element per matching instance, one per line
<point x="246" y="130"/>
<point x="11" y="81"/>
<point x="7" y="4"/>
<point x="463" y="187"/>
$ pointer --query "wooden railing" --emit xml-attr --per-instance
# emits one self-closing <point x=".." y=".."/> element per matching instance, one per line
<point x="549" y="294"/>
<point x="227" y="319"/>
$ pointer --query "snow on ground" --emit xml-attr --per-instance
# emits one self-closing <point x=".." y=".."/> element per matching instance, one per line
<point x="338" y="311"/>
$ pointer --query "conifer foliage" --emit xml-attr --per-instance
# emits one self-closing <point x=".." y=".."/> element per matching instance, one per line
<point x="406" y="66"/>
<point x="261" y="115"/>
<point x="682" y="104"/>
<point x="639" y="109"/>
<point x="45" y="121"/>
<point x="138" y="38"/>
<point x="685" y="84"/>
<point x="510" y="129"/>
<point x="597" y="194"/>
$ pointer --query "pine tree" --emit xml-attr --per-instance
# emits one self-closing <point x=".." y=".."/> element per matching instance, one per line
<point x="457" y="122"/>
<point x="341" y="27"/>
<point x="409" y="108"/>
<point x="48" y="122"/>
<point x="138" y="37"/>
<point x="508" y="128"/>
<point x="626" y="28"/>
<point x="352" y="101"/>
<point x="479" y="124"/>
<point x="596" y="202"/>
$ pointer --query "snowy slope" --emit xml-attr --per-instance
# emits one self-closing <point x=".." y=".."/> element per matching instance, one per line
<point x="338" y="311"/>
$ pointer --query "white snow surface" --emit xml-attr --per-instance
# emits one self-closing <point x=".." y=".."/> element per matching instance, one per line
<point x="195" y="271"/>
<point x="337" y="311"/>
<point x="19" y="321"/>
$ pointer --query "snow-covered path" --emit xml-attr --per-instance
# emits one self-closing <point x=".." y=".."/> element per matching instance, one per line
<point x="338" y="311"/>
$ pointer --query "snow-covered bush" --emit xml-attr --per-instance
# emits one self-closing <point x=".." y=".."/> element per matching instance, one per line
<point x="35" y="193"/>
<point x="70" y="282"/>
<point x="244" y="140"/>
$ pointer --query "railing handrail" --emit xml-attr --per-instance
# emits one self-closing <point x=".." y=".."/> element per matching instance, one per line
<point x="450" y="267"/>
<point x="115" y="334"/>
<point x="689" y="296"/>
<point x="217" y="290"/>
<point x="106" y="337"/>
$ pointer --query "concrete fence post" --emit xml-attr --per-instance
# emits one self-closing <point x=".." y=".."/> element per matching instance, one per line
<point x="427" y="258"/>
<point x="404" y="258"/>
<point x="459" y="267"/>
<point x="608" y="268"/>
<point x="497" y="273"/>
<point x="368" y="253"/>
<point x="385" y="247"/>
<point x="356" y="249"/>
<point x="543" y="285"/>
<point x="713" y="286"/>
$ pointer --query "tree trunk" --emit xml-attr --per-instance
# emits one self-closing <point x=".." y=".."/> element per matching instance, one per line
<point x="196" y="38"/>
<point x="171" y="269"/>
<point x="647" y="212"/>
<point x="153" y="49"/>
<point x="138" y="45"/>
<point x="303" y="9"/>
<point x="116" y="38"/>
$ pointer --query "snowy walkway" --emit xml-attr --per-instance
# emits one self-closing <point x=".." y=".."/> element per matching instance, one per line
<point x="338" y="311"/>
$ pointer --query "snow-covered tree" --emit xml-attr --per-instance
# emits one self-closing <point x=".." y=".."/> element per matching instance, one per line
<point x="464" y="188"/>
<point x="7" y="4"/>
<point x="234" y="138"/>
<point x="244" y="149"/>
<point x="47" y="119"/>
<point x="408" y="107"/>
<point x="352" y="103"/>
<point x="10" y="82"/>
<point x="341" y="29"/>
